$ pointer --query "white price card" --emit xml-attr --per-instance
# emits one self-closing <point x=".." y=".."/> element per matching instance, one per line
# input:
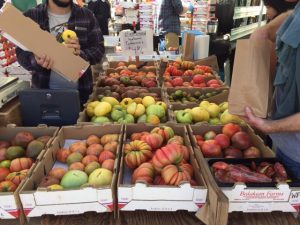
<point x="136" y="43"/>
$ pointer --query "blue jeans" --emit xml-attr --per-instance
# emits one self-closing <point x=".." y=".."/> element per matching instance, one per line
<point x="290" y="164"/>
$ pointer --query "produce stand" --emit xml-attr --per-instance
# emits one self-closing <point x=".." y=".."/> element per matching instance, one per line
<point x="155" y="144"/>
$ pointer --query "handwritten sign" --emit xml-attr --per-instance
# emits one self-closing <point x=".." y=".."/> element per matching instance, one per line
<point x="139" y="43"/>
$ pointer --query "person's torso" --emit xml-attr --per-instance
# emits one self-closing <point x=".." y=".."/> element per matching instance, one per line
<point x="80" y="22"/>
<point x="287" y="142"/>
<point x="168" y="18"/>
<point x="57" y="25"/>
<point x="287" y="83"/>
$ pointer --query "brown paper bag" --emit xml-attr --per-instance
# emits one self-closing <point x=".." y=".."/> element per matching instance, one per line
<point x="250" y="83"/>
<point x="188" y="46"/>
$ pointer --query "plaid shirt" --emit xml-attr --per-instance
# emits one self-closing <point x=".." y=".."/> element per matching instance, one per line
<point x="169" y="16"/>
<point x="90" y="38"/>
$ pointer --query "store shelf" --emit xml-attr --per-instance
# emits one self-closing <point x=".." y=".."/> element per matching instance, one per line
<point x="248" y="11"/>
<point x="243" y="31"/>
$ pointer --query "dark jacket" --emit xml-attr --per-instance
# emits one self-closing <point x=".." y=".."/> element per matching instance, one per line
<point x="101" y="10"/>
<point x="168" y="20"/>
<point x="1" y="3"/>
<point x="90" y="38"/>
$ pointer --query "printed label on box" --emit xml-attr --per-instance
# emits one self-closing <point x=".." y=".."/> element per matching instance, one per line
<point x="258" y="207"/>
<point x="295" y="197"/>
<point x="241" y="194"/>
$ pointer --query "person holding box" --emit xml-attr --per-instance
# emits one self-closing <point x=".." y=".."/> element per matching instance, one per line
<point x="82" y="34"/>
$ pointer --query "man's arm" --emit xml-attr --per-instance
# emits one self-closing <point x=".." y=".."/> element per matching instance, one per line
<point x="95" y="50"/>
<point x="269" y="30"/>
<point x="288" y="124"/>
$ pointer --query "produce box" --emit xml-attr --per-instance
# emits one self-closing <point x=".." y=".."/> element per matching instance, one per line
<point x="193" y="81"/>
<point x="10" y="204"/>
<point x="213" y="110"/>
<point x="38" y="201"/>
<point x="125" y="97"/>
<point x="145" y="196"/>
<point x="246" y="197"/>
<point x="255" y="141"/>
<point x="126" y="92"/>
<point x="211" y="61"/>
<point x="148" y="64"/>
<point x="258" y="197"/>
<point x="126" y="78"/>
<point x="191" y="97"/>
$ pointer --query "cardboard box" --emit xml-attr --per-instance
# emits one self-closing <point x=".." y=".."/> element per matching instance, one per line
<point x="114" y="64"/>
<point x="10" y="204"/>
<point x="100" y="91"/>
<point x="222" y="95"/>
<point x="40" y="42"/>
<point x="84" y="119"/>
<point x="40" y="201"/>
<point x="211" y="61"/>
<point x="251" y="199"/>
<point x="218" y="99"/>
<point x="142" y="196"/>
<point x="190" y="78"/>
<point x="110" y="71"/>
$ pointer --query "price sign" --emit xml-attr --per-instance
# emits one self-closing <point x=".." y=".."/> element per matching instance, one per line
<point x="136" y="43"/>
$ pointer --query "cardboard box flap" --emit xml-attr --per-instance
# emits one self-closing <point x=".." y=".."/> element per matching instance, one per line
<point x="41" y="42"/>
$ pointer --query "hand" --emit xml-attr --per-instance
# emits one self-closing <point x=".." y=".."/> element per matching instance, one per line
<point x="259" y="123"/>
<point x="73" y="43"/>
<point x="260" y="34"/>
<point x="44" y="61"/>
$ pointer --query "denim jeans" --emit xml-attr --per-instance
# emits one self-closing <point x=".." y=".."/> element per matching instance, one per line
<point x="290" y="164"/>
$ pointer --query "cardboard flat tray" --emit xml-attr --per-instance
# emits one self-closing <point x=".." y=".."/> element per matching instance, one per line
<point x="10" y="203"/>
<point x="142" y="196"/>
<point x="109" y="71"/>
<point x="240" y="197"/>
<point x="247" y="162"/>
<point x="221" y="96"/>
<point x="84" y="119"/>
<point x="40" y="201"/>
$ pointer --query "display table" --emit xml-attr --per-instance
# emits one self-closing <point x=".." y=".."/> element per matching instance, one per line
<point x="178" y="218"/>
<point x="153" y="218"/>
